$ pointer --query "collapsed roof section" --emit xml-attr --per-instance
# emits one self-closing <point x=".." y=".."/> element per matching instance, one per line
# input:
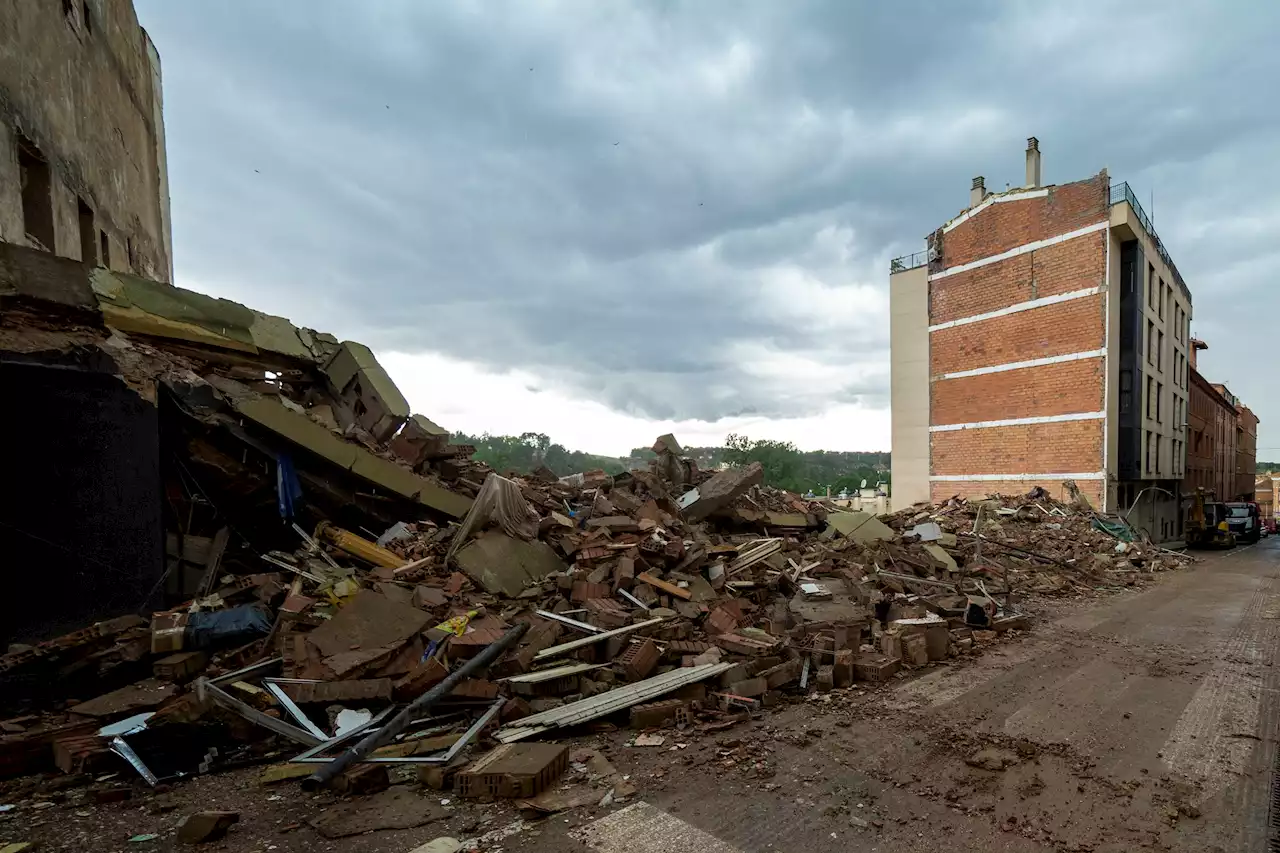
<point x="327" y="400"/>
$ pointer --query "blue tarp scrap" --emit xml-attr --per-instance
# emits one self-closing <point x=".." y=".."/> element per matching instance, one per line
<point x="1114" y="527"/>
<point x="288" y="489"/>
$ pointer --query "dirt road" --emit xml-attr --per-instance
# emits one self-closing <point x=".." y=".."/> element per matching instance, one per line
<point x="1142" y="721"/>
<point x="1145" y="721"/>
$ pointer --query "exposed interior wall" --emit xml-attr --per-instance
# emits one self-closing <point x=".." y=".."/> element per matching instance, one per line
<point x="81" y="511"/>
<point x="78" y="81"/>
<point x="909" y="384"/>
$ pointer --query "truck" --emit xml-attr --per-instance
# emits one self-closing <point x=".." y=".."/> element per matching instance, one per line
<point x="1207" y="525"/>
<point x="1244" y="520"/>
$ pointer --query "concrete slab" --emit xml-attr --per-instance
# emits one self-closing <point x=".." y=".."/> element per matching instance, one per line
<point x="501" y="564"/>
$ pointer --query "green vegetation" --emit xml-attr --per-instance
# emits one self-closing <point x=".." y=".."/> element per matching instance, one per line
<point x="1268" y="468"/>
<point x="527" y="451"/>
<point x="785" y="466"/>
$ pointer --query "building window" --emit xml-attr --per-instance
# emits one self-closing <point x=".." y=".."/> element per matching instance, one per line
<point x="88" y="235"/>
<point x="1159" y="465"/>
<point x="37" y="195"/>
<point x="1151" y="342"/>
<point x="104" y="256"/>
<point x="1160" y="300"/>
<point x="1151" y="397"/>
<point x="1151" y="285"/>
<point x="1159" y="350"/>
<point x="1151" y="446"/>
<point x="1159" y="402"/>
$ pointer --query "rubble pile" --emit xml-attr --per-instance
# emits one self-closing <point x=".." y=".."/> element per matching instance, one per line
<point x="655" y="598"/>
<point x="344" y="590"/>
<point x="1037" y="544"/>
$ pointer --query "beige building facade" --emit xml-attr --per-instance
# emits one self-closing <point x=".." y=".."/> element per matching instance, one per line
<point x="83" y="169"/>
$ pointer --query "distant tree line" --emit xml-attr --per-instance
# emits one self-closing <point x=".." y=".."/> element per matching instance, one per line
<point x="785" y="466"/>
<point x="527" y="451"/>
<point x="1268" y="468"/>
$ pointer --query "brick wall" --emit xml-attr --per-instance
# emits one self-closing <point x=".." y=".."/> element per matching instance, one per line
<point x="940" y="491"/>
<point x="1050" y="271"/>
<point x="1006" y="225"/>
<point x="1066" y="327"/>
<point x="1052" y="389"/>
<point x="1078" y="325"/>
<point x="1070" y="446"/>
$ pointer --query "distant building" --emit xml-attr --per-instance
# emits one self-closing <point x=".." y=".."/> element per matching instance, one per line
<point x="1043" y="336"/>
<point x="83" y="171"/>
<point x="1246" y="452"/>
<point x="1211" y="435"/>
<point x="1264" y="492"/>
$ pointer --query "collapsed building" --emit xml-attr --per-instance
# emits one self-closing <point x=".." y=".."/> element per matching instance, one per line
<point x="225" y="534"/>
<point x="157" y="424"/>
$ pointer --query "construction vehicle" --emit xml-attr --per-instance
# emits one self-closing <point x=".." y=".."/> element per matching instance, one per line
<point x="1207" y="522"/>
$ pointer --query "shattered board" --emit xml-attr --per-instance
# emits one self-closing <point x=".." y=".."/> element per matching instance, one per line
<point x="369" y="621"/>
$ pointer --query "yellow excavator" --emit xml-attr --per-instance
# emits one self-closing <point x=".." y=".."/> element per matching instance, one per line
<point x="1207" y="522"/>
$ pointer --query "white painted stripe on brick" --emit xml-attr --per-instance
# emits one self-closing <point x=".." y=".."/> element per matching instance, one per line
<point x="1017" y="196"/>
<point x="1039" y="419"/>
<point x="1018" y="307"/>
<point x="988" y="478"/>
<point x="1022" y="250"/>
<point x="1018" y="365"/>
<point x="642" y="828"/>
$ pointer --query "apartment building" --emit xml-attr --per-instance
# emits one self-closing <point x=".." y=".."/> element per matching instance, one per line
<point x="1043" y="336"/>
<point x="1239" y="460"/>
<point x="1211" y="435"/>
<point x="83" y="169"/>
<point x="1246" y="452"/>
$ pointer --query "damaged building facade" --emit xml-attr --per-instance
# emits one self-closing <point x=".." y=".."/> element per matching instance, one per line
<point x="1043" y="337"/>
<point x="83" y="170"/>
<point x="164" y="426"/>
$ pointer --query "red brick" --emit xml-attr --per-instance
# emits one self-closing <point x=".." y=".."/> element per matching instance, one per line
<point x="1065" y="388"/>
<point x="655" y="714"/>
<point x="940" y="491"/>
<point x="1078" y="325"/>
<point x="638" y="660"/>
<point x="1061" y="268"/>
<point x="1007" y="225"/>
<point x="584" y="591"/>
<point x="1068" y="446"/>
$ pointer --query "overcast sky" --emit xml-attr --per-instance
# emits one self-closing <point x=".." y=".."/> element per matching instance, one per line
<point x="604" y="220"/>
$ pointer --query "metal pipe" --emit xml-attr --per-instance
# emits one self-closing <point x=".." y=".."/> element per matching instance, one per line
<point x="414" y="709"/>
<point x="358" y="546"/>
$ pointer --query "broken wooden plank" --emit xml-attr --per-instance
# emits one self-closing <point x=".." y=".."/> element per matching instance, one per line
<point x="669" y="588"/>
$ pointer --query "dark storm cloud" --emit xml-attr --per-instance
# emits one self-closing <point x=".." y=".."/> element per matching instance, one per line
<point x="686" y="209"/>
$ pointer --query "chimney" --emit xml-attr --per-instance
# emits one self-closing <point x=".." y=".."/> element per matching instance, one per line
<point x="1033" y="162"/>
<point x="1196" y="346"/>
<point x="978" y="192"/>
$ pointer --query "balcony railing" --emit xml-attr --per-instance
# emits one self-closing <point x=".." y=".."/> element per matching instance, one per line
<point x="1123" y="192"/>
<point x="908" y="262"/>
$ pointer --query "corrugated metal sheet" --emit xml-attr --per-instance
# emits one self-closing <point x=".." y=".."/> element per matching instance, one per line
<point x="607" y="703"/>
<point x="564" y="648"/>
<point x="553" y="673"/>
